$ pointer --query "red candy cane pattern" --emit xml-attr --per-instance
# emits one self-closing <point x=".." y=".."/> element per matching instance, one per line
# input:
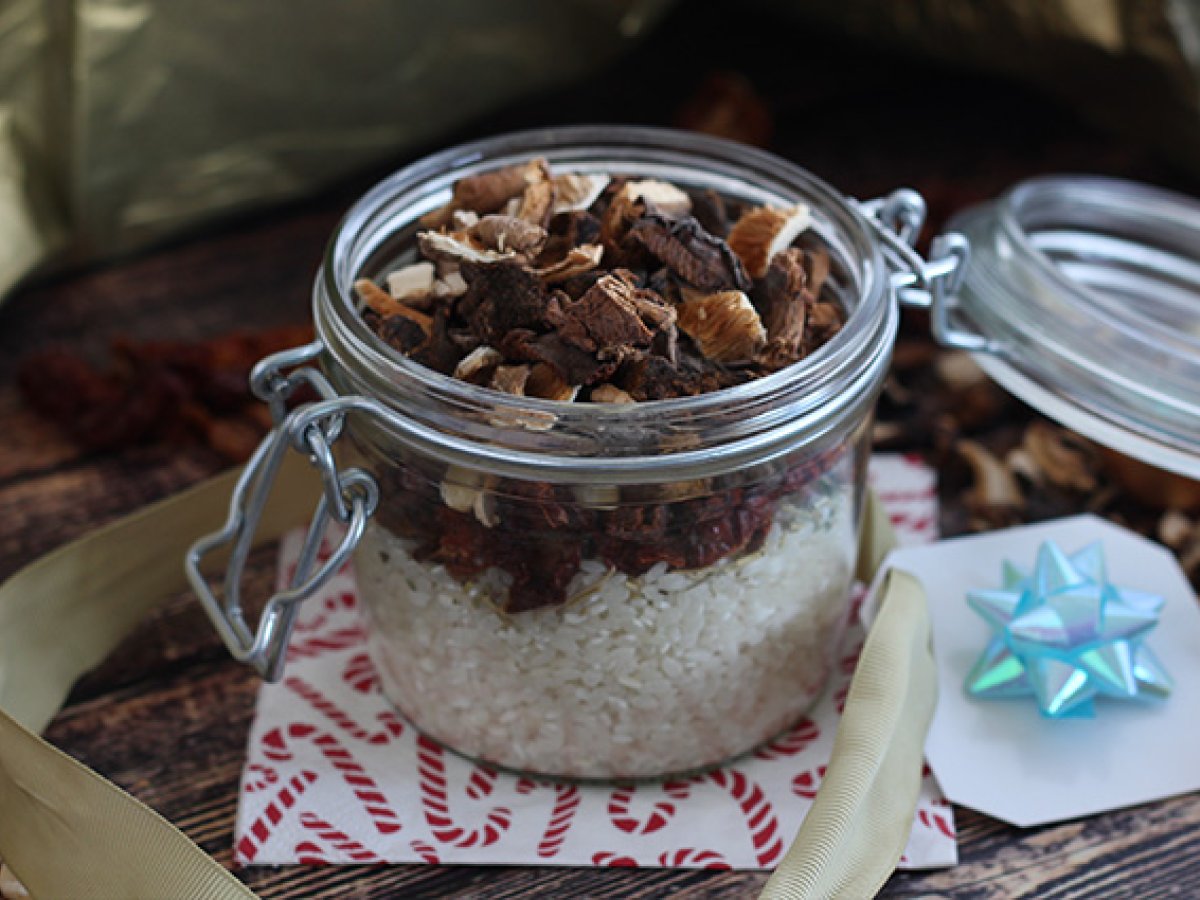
<point x="392" y="726"/>
<point x="795" y="741"/>
<point x="839" y="698"/>
<point x="660" y="815"/>
<point x="481" y="782"/>
<point x="359" y="673"/>
<point x="363" y="785"/>
<point x="332" y="605"/>
<point x="613" y="860"/>
<point x="431" y="770"/>
<point x="343" y="844"/>
<point x="309" y="853"/>
<point x="426" y="852"/>
<point x="849" y="662"/>
<point x="693" y="859"/>
<point x="760" y="817"/>
<point x="258" y="778"/>
<point x="917" y="524"/>
<point x="337" y="639"/>
<point x="248" y="847"/>
<point x="806" y="784"/>
<point x="931" y="819"/>
<point x="567" y="798"/>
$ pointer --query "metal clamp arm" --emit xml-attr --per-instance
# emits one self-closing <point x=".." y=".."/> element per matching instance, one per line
<point x="931" y="283"/>
<point x="349" y="498"/>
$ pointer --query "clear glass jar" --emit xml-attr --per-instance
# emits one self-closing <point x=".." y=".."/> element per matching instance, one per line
<point x="604" y="591"/>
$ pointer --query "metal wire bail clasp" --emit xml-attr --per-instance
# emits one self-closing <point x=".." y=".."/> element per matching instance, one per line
<point x="931" y="283"/>
<point x="349" y="497"/>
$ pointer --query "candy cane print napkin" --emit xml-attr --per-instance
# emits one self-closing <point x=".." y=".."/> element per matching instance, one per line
<point x="334" y="775"/>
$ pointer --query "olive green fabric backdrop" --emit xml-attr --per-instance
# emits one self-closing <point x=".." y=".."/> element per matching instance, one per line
<point x="126" y="121"/>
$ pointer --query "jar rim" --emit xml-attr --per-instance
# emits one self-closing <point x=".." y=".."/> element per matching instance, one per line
<point x="803" y="398"/>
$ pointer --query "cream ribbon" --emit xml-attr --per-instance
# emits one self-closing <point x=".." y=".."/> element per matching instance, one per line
<point x="66" y="832"/>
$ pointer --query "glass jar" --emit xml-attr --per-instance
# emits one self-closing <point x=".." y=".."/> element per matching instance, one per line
<point x="1088" y="292"/>
<point x="589" y="590"/>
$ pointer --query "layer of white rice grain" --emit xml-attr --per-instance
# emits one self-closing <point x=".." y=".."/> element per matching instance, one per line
<point x="636" y="676"/>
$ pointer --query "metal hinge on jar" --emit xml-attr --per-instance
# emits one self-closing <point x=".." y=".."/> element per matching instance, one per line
<point x="349" y="497"/>
<point x="931" y="283"/>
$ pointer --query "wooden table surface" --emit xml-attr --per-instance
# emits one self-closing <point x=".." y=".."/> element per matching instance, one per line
<point x="167" y="716"/>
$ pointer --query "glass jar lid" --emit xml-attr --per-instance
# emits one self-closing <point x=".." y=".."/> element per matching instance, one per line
<point x="1087" y="293"/>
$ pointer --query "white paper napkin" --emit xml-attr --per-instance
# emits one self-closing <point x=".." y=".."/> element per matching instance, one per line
<point x="333" y="775"/>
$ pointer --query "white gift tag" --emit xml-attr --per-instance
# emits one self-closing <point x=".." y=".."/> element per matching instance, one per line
<point x="1002" y="757"/>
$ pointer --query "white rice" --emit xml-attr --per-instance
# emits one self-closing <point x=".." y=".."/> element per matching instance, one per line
<point x="640" y="676"/>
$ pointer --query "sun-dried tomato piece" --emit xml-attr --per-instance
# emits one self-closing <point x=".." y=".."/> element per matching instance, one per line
<point x="540" y="573"/>
<point x="462" y="544"/>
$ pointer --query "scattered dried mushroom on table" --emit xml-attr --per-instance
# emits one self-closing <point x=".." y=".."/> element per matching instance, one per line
<point x="578" y="287"/>
<point x="1001" y="464"/>
<point x="181" y="392"/>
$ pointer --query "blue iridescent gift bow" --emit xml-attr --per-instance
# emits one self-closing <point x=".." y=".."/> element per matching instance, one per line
<point x="1065" y="635"/>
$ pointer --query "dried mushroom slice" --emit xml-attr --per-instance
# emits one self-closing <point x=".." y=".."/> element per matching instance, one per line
<point x="1059" y="458"/>
<point x="545" y="382"/>
<point x="511" y="379"/>
<point x="725" y="326"/>
<point x="765" y="231"/>
<point x="576" y="366"/>
<point x="375" y="297"/>
<point x="458" y="247"/>
<point x="537" y="203"/>
<point x="576" y="192"/>
<point x="824" y="321"/>
<point x="449" y="286"/>
<point x="462" y="219"/>
<point x="478" y="365"/>
<point x="468" y="491"/>
<point x="995" y="487"/>
<point x="606" y="316"/>
<point x="500" y="298"/>
<point x="652" y="377"/>
<point x="662" y="195"/>
<point x="635" y="199"/>
<point x="691" y="253"/>
<point x="610" y="393"/>
<point x="411" y="284"/>
<point x="579" y="260"/>
<point x="487" y="192"/>
<point x="381" y="302"/>
<point x="508" y="233"/>
<point x="460" y="487"/>
<point x="782" y="301"/>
